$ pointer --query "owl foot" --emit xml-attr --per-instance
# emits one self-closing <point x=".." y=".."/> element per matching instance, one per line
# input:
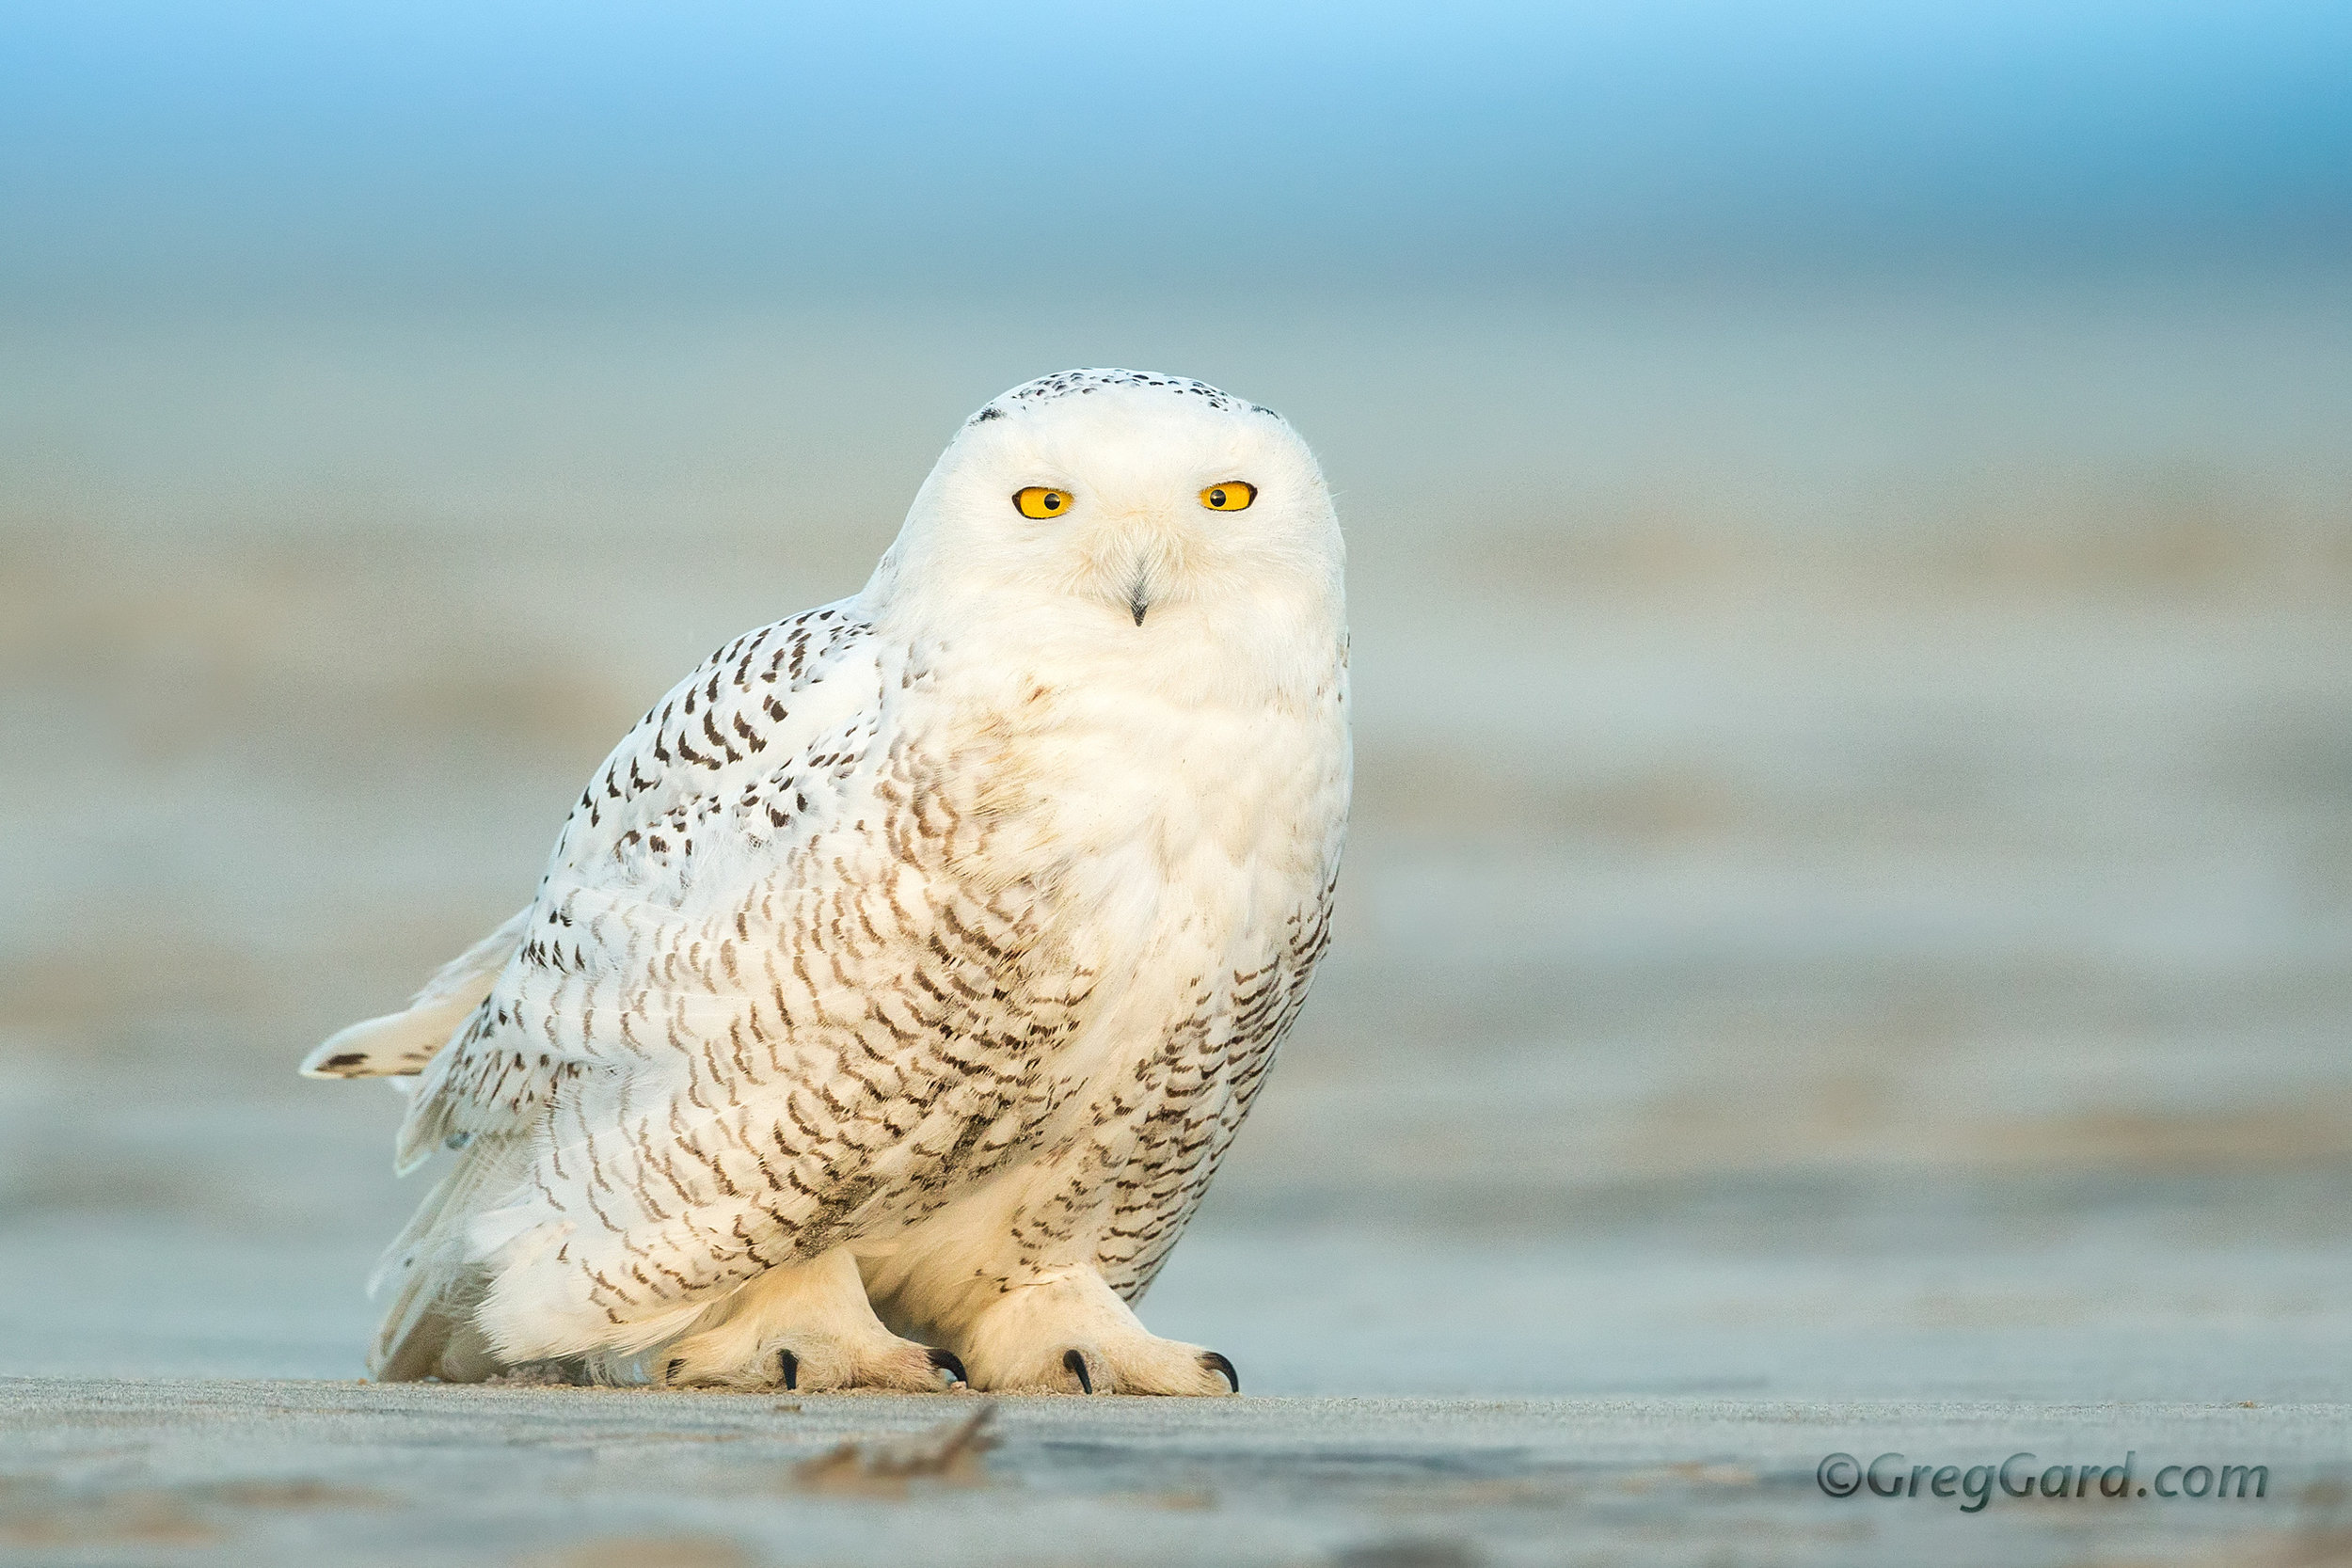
<point x="1069" y="1333"/>
<point x="804" y="1327"/>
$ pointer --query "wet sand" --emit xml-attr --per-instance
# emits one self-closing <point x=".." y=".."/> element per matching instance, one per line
<point x="276" y="1472"/>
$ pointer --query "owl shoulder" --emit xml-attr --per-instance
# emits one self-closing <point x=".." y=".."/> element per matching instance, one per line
<point x="748" y="742"/>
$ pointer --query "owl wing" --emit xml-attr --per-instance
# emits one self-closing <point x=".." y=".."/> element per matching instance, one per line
<point x="748" y="744"/>
<point x="767" y="991"/>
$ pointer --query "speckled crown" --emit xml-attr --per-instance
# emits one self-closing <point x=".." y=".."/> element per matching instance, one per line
<point x="1062" y="384"/>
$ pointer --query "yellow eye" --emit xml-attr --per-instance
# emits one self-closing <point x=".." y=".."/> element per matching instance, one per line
<point x="1039" y="501"/>
<point x="1232" y="495"/>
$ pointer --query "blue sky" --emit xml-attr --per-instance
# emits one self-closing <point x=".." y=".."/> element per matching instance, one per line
<point x="684" y="148"/>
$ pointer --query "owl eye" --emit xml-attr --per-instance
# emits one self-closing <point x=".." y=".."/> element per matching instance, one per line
<point x="1232" y="496"/>
<point x="1039" y="501"/>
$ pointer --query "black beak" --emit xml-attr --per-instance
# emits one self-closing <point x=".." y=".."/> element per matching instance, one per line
<point x="1138" y="607"/>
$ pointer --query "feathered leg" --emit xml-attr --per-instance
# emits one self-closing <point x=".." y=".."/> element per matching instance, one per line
<point x="1065" y="1330"/>
<point x="805" y="1326"/>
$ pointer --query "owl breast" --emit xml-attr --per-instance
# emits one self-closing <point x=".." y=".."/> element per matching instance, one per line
<point x="1184" y="855"/>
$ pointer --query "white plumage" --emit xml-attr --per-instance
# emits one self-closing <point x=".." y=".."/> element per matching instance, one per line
<point x="896" y="984"/>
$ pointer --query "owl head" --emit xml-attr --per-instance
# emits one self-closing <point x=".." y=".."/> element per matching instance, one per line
<point x="1119" y="504"/>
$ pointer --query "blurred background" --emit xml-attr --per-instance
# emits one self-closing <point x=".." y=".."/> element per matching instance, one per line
<point x="1851" y="514"/>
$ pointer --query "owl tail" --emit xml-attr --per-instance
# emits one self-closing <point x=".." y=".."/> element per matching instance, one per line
<point x="399" y="1044"/>
<point x="430" y="1329"/>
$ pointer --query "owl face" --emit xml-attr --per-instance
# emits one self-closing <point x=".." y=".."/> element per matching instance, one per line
<point x="1127" y="503"/>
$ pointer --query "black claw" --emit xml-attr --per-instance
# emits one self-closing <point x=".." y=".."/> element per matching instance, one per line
<point x="1211" y="1358"/>
<point x="1075" y="1363"/>
<point x="790" y="1363"/>
<point x="946" y="1361"/>
<point x="669" y="1374"/>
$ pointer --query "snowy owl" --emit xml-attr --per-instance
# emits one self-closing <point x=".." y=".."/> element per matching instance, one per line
<point x="896" y="984"/>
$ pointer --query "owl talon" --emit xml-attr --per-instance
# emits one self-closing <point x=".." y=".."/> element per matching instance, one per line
<point x="790" y="1365"/>
<point x="669" y="1374"/>
<point x="946" y="1361"/>
<point x="1070" y="1333"/>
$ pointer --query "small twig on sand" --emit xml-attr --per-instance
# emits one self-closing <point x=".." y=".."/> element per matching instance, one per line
<point x="948" y="1453"/>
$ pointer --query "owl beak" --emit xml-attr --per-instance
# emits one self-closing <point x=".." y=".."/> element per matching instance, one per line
<point x="1140" y="562"/>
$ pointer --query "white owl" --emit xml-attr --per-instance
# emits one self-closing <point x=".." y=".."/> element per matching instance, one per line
<point x="896" y="984"/>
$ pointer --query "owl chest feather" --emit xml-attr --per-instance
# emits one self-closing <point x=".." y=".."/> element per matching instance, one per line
<point x="1178" y="841"/>
<point x="1153" y="824"/>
